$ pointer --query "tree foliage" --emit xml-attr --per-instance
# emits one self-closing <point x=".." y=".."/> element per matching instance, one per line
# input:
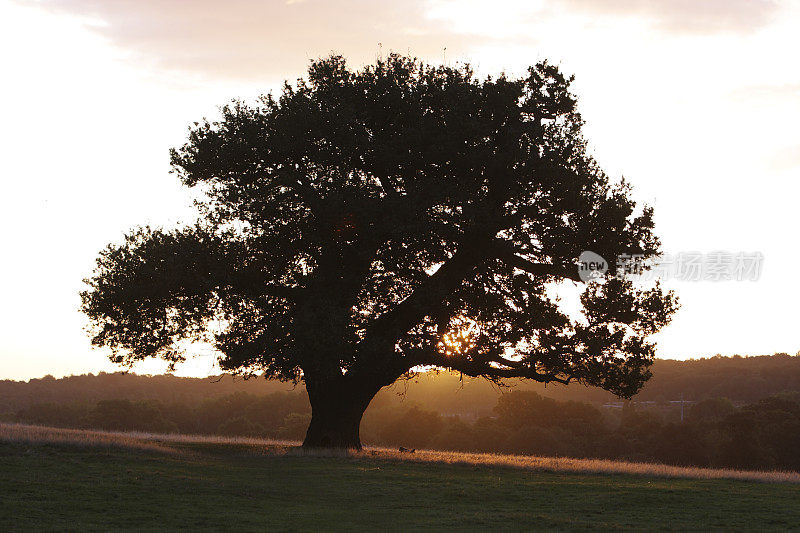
<point x="364" y="223"/>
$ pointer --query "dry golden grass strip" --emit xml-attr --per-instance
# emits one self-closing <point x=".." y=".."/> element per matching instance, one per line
<point x="581" y="466"/>
<point x="79" y="437"/>
<point x="162" y="442"/>
<point x="130" y="439"/>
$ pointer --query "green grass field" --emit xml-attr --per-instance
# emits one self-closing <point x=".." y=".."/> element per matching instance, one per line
<point x="62" y="486"/>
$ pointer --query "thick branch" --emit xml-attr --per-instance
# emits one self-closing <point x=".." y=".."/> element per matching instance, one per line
<point x="483" y="367"/>
<point x="508" y="256"/>
<point x="390" y="326"/>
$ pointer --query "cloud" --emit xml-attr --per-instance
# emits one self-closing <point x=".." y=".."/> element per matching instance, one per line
<point x="508" y="19"/>
<point x="688" y="16"/>
<point x="267" y="40"/>
<point x="258" y="40"/>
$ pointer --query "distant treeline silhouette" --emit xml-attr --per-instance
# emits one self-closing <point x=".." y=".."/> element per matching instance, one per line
<point x="740" y="379"/>
<point x="744" y="412"/>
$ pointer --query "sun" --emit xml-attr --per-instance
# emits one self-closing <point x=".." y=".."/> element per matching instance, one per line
<point x="461" y="338"/>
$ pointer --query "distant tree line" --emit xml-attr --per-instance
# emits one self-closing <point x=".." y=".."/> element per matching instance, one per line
<point x="762" y="435"/>
<point x="741" y="379"/>
<point x="282" y="415"/>
<point x="744" y="412"/>
<point x="714" y="433"/>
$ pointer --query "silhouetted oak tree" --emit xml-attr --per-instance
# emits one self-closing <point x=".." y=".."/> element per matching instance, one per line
<point x="367" y="223"/>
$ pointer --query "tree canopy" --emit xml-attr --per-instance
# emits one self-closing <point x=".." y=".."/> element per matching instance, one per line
<point x="364" y="223"/>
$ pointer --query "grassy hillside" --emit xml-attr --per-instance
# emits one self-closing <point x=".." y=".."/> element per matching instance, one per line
<point x="101" y="482"/>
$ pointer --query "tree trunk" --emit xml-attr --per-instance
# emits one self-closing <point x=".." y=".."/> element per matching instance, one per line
<point x="337" y="406"/>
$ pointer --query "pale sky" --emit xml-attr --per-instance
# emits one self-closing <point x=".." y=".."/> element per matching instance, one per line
<point x="695" y="102"/>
